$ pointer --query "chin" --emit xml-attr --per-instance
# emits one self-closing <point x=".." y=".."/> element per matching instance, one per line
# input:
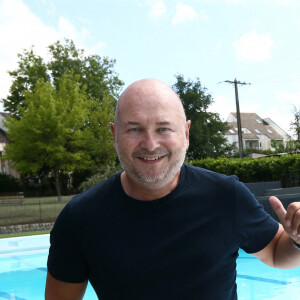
<point x="154" y="185"/>
<point x="153" y="182"/>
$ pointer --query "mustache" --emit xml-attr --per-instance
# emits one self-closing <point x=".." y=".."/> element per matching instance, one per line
<point x="157" y="152"/>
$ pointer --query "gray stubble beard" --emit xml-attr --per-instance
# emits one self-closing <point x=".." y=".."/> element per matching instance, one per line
<point x="158" y="181"/>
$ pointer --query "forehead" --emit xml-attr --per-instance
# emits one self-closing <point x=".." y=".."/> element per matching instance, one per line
<point x="146" y="104"/>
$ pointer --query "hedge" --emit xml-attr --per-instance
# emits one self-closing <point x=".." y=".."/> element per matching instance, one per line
<point x="253" y="169"/>
<point x="8" y="184"/>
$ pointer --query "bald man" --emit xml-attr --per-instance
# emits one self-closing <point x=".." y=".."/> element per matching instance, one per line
<point x="161" y="229"/>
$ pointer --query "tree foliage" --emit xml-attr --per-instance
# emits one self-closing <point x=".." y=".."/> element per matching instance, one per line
<point x="96" y="73"/>
<point x="31" y="69"/>
<point x="102" y="174"/>
<point x="59" y="130"/>
<point x="61" y="109"/>
<point x="295" y="124"/>
<point x="255" y="170"/>
<point x="207" y="130"/>
<point x="8" y="183"/>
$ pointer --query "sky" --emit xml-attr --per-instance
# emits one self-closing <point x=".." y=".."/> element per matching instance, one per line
<point x="253" y="41"/>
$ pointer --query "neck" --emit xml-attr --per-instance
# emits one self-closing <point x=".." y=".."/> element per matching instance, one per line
<point x="138" y="192"/>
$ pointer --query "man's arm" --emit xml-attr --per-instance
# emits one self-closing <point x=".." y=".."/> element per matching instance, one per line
<point x="59" y="290"/>
<point x="280" y="252"/>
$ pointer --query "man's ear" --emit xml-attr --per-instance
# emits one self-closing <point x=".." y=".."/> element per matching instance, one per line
<point x="187" y="132"/>
<point x="113" y="131"/>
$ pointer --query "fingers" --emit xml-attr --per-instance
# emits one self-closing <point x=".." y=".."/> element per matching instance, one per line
<point x="278" y="209"/>
<point x="293" y="218"/>
<point x="290" y="218"/>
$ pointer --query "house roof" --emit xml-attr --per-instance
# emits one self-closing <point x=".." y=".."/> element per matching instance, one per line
<point x="256" y="126"/>
<point x="3" y="138"/>
<point x="3" y="115"/>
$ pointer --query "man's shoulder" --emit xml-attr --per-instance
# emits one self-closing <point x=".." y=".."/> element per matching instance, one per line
<point x="199" y="173"/>
<point x="98" y="192"/>
<point x="205" y="181"/>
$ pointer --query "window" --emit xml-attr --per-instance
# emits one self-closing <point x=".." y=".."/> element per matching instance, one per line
<point x="258" y="121"/>
<point x="231" y="131"/>
<point x="269" y="130"/>
<point x="246" y="130"/>
<point x="257" y="131"/>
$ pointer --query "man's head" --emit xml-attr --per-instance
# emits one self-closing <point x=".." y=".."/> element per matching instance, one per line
<point x="150" y="133"/>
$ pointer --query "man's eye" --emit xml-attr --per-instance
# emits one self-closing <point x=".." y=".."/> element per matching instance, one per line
<point x="163" y="129"/>
<point x="135" y="129"/>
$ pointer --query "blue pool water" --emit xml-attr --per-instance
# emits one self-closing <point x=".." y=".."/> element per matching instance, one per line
<point x="23" y="273"/>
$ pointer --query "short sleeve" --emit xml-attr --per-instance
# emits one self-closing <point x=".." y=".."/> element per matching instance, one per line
<point x="66" y="261"/>
<point x="255" y="226"/>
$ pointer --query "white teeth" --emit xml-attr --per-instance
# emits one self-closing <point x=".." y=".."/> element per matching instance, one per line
<point x="150" y="158"/>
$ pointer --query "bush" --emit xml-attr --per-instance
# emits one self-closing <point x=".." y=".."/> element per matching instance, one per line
<point x="103" y="173"/>
<point x="9" y="184"/>
<point x="253" y="169"/>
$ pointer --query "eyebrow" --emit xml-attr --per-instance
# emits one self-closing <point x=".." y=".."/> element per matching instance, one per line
<point x="157" y="123"/>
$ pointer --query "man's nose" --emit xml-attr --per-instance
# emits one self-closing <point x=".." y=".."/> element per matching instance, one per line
<point x="150" y="141"/>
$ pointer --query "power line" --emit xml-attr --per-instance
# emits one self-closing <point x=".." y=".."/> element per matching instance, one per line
<point x="238" y="115"/>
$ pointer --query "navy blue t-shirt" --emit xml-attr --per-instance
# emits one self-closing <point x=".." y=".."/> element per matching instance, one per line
<point x="182" y="246"/>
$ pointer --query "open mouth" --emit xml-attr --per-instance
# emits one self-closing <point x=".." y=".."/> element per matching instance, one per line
<point x="151" y="159"/>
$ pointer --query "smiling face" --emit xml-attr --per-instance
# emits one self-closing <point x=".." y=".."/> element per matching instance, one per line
<point x="151" y="134"/>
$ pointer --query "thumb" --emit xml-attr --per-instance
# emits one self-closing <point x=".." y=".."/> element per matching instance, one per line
<point x="278" y="209"/>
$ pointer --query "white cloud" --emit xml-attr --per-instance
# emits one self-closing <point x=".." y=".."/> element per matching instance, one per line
<point x="158" y="9"/>
<point x="234" y="1"/>
<point x="281" y="112"/>
<point x="284" y="2"/>
<point x="252" y="47"/>
<point x="184" y="13"/>
<point x="223" y="106"/>
<point x="218" y="49"/>
<point x="97" y="49"/>
<point x="281" y="117"/>
<point x="50" y="7"/>
<point x="67" y="29"/>
<point x="293" y="99"/>
<point x="20" y="28"/>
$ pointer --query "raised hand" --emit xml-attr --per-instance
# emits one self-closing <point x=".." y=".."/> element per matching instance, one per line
<point x="290" y="218"/>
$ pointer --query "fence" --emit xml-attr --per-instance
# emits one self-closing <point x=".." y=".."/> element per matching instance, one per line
<point x="31" y="210"/>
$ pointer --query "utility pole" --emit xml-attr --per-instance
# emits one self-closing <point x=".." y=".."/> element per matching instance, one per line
<point x="238" y="115"/>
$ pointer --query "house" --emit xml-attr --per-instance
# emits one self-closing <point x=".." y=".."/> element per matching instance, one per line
<point x="4" y="164"/>
<point x="257" y="133"/>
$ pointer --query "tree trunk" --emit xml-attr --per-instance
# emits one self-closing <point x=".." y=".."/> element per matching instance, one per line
<point x="57" y="185"/>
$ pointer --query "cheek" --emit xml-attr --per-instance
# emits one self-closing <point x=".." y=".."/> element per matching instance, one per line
<point x="126" y="144"/>
<point x="177" y="140"/>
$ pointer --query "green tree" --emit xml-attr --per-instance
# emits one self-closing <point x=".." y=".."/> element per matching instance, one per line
<point x="295" y="124"/>
<point x="52" y="133"/>
<point x="8" y="183"/>
<point x="31" y="68"/>
<point x="98" y="137"/>
<point x="96" y="73"/>
<point x="92" y="73"/>
<point x="207" y="130"/>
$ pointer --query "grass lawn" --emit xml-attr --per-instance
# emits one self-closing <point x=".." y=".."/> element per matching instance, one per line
<point x="31" y="210"/>
<point x="37" y="200"/>
<point x="3" y="236"/>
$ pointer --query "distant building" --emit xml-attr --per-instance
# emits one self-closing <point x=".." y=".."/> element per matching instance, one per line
<point x="257" y="133"/>
<point x="4" y="165"/>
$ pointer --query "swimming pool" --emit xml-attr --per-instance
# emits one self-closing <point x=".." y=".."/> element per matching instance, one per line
<point x="23" y="273"/>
